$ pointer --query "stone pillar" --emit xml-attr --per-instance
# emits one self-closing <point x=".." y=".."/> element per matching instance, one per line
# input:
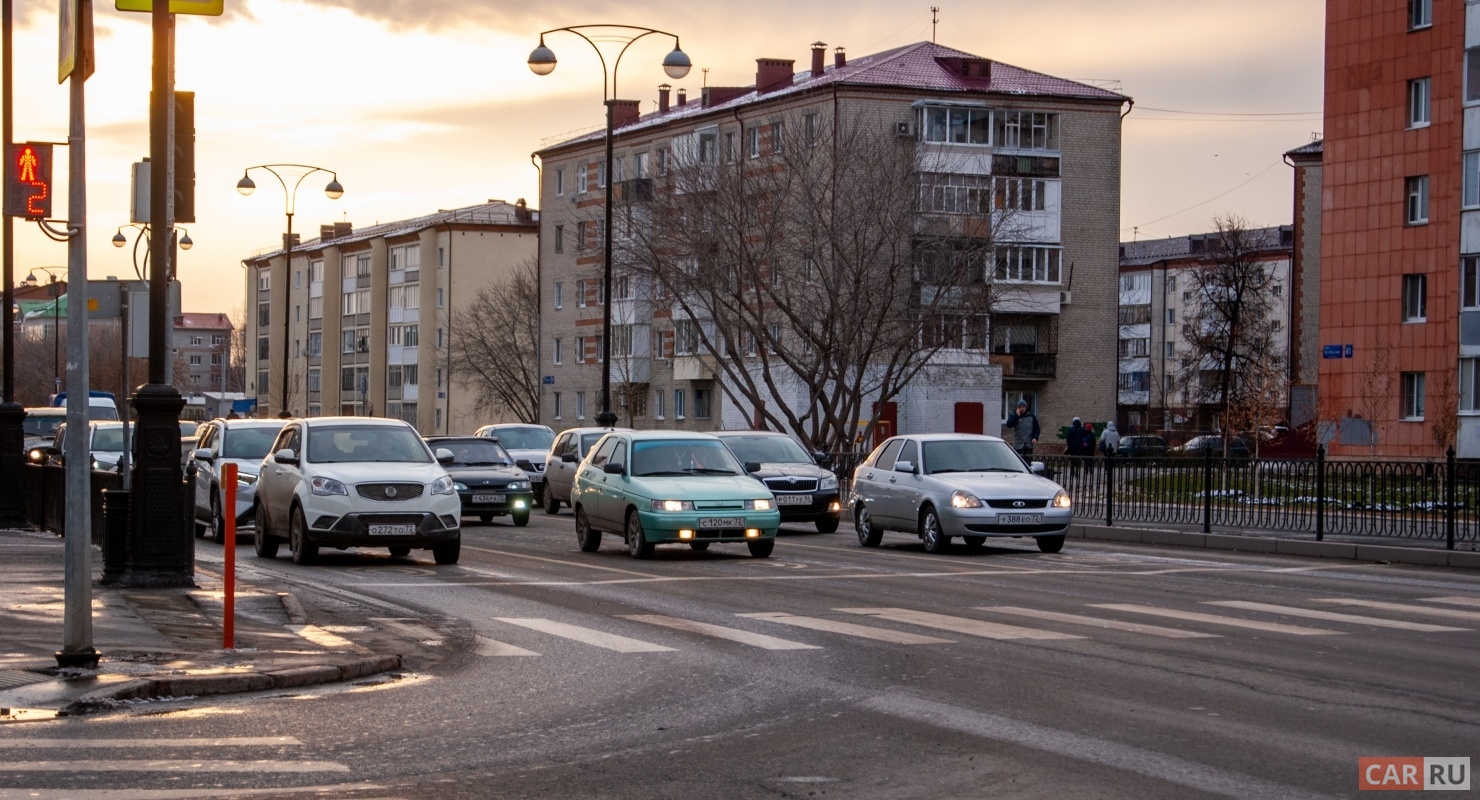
<point x="161" y="547"/>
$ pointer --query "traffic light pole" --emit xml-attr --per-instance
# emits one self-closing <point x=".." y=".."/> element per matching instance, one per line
<point x="12" y="414"/>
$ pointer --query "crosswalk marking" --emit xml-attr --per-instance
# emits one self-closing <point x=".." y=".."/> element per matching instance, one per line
<point x="608" y="641"/>
<point x="845" y="628"/>
<point x="325" y="639"/>
<point x="174" y="765"/>
<point x="493" y="647"/>
<point x="720" y="632"/>
<point x="1452" y="613"/>
<point x="1216" y="619"/>
<point x="972" y="627"/>
<point x="1332" y="616"/>
<point x="88" y="744"/>
<point x="1455" y="601"/>
<point x="1114" y="624"/>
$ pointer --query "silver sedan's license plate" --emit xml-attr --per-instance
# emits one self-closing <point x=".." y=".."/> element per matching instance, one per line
<point x="488" y="498"/>
<point x="392" y="530"/>
<point x="793" y="499"/>
<point x="1019" y="519"/>
<point x="722" y="522"/>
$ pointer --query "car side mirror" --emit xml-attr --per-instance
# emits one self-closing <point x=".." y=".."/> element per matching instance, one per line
<point x="569" y="458"/>
<point x="613" y="469"/>
<point x="285" y="456"/>
<point x="752" y="466"/>
<point x="904" y="466"/>
<point x="445" y="456"/>
<point x="1037" y="467"/>
<point x="819" y="456"/>
<point x="204" y="454"/>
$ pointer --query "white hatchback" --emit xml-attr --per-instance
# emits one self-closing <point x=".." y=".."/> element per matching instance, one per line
<point x="355" y="482"/>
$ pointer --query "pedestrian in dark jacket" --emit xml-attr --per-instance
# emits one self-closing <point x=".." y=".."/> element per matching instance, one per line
<point x="1074" y="441"/>
<point x="1024" y="426"/>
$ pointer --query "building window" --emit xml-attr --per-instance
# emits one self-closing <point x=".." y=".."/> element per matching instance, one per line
<point x="409" y="374"/>
<point x="439" y="298"/>
<point x="1472" y="75"/>
<point x="601" y="174"/>
<point x="347" y="340"/>
<point x="955" y="125"/>
<point x="581" y="179"/>
<point x="753" y="141"/>
<point x="346" y="379"/>
<point x="580" y="405"/>
<point x="1171" y="316"/>
<point x="686" y="337"/>
<point x="809" y="130"/>
<point x="703" y="399"/>
<point x="1471" y="170"/>
<point x="263" y="349"/>
<point x="1415" y="299"/>
<point x="559" y="296"/>
<point x="555" y="404"/>
<point x="639" y="165"/>
<point x="1027" y="130"/>
<point x="557" y="352"/>
<point x="1010" y="400"/>
<point x="1468" y="403"/>
<point x="1028" y="264"/>
<point x="658" y="398"/>
<point x="778" y="133"/>
<point x="196" y="341"/>
<point x="1420" y="14"/>
<point x="1418" y="103"/>
<point x="678" y="404"/>
<point x="559" y="181"/>
<point x="1469" y="282"/>
<point x="410" y="336"/>
<point x="1413" y="396"/>
<point x="581" y="293"/>
<point x="945" y="193"/>
<point x="196" y="361"/>
<point x="1417" y="192"/>
<point x="1020" y="194"/>
<point x="315" y="379"/>
<point x="662" y="161"/>
<point x="560" y="238"/>
<point x="1171" y="284"/>
<point x="1171" y="350"/>
<point x="1133" y="348"/>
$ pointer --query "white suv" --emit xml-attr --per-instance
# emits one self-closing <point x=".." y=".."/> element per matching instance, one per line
<point x="355" y="482"/>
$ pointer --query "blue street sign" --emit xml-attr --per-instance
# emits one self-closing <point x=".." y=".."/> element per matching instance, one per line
<point x="1331" y="351"/>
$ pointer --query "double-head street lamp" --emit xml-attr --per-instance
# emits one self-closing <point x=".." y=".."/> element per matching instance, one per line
<point x="676" y="64"/>
<point x="284" y="173"/>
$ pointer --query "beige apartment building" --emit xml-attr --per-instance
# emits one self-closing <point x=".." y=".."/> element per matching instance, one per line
<point x="359" y="318"/>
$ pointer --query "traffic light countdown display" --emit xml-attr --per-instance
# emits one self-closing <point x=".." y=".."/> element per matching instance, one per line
<point x="28" y="180"/>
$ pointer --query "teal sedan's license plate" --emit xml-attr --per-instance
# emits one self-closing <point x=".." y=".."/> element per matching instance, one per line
<point x="722" y="522"/>
<point x="1019" y="519"/>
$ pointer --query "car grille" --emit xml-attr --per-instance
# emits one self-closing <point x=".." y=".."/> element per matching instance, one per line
<point x="791" y="485"/>
<point x="720" y="505"/>
<point x="390" y="491"/>
<point x="1014" y="503"/>
<point x="392" y="519"/>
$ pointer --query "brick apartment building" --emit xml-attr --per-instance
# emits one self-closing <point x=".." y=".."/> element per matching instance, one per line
<point x="1050" y="146"/>
<point x="202" y="349"/>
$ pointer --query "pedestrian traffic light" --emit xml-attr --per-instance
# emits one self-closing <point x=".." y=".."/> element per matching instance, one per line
<point x="28" y="180"/>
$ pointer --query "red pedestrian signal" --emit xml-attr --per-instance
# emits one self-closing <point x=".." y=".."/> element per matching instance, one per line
<point x="28" y="180"/>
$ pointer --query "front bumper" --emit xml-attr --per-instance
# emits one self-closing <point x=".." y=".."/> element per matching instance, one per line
<point x="512" y="502"/>
<point x="353" y="530"/>
<point x="988" y="522"/>
<point x="664" y="526"/>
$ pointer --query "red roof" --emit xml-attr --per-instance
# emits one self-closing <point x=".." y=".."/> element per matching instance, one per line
<point x="213" y="322"/>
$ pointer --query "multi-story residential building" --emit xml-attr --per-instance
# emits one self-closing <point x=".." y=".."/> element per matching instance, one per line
<point x="361" y="316"/>
<point x="1400" y="229"/>
<point x="987" y="138"/>
<point x="202" y="352"/>
<point x="1159" y="297"/>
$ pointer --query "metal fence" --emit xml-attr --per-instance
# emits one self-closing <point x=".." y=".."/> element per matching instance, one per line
<point x="1411" y="500"/>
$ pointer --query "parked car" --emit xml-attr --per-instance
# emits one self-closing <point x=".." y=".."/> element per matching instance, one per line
<point x="355" y="482"/>
<point x="243" y="442"/>
<point x="40" y="427"/>
<point x="1141" y="447"/>
<point x="943" y="485"/>
<point x="528" y="444"/>
<point x="561" y="462"/>
<point x="660" y="487"/>
<point x="804" y="491"/>
<point x="1198" y="445"/>
<point x="101" y="406"/>
<point x="105" y="444"/>
<point x="487" y="482"/>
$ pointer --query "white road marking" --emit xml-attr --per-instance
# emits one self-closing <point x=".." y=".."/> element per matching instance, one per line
<point x="720" y="632"/>
<point x="177" y="794"/>
<point x="1216" y="619"/>
<point x="607" y="641"/>
<point x="87" y="744"/>
<point x="411" y="629"/>
<point x="1455" y="601"/>
<point x="1332" y="616"/>
<point x="845" y="628"/>
<point x="1452" y="613"/>
<point x="972" y="627"/>
<point x="174" y="765"/>
<point x="493" y="647"/>
<point x="581" y="563"/>
<point x="1099" y="622"/>
<point x="325" y="639"/>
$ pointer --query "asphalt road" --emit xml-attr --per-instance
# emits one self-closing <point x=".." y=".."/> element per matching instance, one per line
<point x="828" y="669"/>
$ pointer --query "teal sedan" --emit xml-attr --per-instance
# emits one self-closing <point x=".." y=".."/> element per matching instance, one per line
<point x="666" y="487"/>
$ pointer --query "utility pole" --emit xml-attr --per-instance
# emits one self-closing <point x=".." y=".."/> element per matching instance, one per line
<point x="12" y="414"/>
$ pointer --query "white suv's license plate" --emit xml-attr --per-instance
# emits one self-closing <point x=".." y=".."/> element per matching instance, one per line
<point x="1019" y="519"/>
<point x="488" y="498"/>
<point x="722" y="522"/>
<point x="793" y="499"/>
<point x="392" y="530"/>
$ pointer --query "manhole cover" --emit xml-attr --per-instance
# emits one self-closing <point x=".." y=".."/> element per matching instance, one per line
<point x="11" y="678"/>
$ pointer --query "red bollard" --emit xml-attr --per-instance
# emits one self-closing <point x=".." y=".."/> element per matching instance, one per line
<point x="228" y="519"/>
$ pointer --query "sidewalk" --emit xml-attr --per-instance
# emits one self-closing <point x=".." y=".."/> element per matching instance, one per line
<point x="1426" y="552"/>
<point x="166" y="643"/>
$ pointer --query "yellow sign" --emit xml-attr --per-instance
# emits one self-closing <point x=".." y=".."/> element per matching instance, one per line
<point x="204" y="8"/>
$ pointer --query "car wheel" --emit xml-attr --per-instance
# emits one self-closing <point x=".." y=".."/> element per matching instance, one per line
<point x="400" y="552"/>
<point x="1051" y="544"/>
<point x="699" y="545"/>
<point x="637" y="544"/>
<point x="447" y="552"/>
<point x="218" y="523"/>
<point x="974" y="543"/>
<point x="539" y="493"/>
<point x="263" y="542"/>
<point x="521" y="518"/>
<point x="304" y="551"/>
<point x="552" y="503"/>
<point x="863" y="524"/>
<point x="485" y="518"/>
<point x="761" y="548"/>
<point x="587" y="537"/>
<point x="827" y="525"/>
<point x="936" y="540"/>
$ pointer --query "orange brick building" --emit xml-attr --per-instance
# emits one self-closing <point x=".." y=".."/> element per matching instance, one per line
<point x="1398" y="330"/>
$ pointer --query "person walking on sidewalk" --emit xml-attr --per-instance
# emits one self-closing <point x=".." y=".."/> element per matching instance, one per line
<point x="1025" y="431"/>
<point x="1110" y="439"/>
<point x="1074" y="446"/>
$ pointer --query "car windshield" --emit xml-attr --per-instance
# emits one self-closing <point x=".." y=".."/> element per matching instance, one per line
<point x="767" y="449"/>
<point x="357" y="443"/>
<point x="476" y="453"/>
<point x="249" y="444"/>
<point x="683" y="457"/>
<point x="970" y="455"/>
<point x="108" y="439"/>
<point x="42" y="426"/>
<point x="528" y="438"/>
<point x="188" y="428"/>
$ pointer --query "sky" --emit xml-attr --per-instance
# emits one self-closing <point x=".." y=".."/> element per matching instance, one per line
<point x="420" y="105"/>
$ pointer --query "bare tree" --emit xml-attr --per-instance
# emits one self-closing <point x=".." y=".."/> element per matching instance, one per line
<point x="494" y="345"/>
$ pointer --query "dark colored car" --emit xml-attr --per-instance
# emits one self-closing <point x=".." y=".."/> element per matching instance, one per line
<point x="1198" y="445"/>
<point x="486" y="479"/>
<point x="804" y="491"/>
<point x="1141" y="447"/>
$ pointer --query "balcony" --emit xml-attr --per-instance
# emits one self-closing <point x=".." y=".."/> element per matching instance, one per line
<point x="637" y="190"/>
<point x="693" y="368"/>
<point x="1027" y="366"/>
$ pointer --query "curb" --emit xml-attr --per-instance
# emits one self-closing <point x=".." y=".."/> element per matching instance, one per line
<point x="206" y="685"/>
<point x="1464" y="559"/>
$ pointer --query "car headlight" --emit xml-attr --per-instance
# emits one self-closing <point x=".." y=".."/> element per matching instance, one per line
<point x="828" y="482"/>
<point x="38" y="456"/>
<point x="1061" y="500"/>
<point x="960" y="499"/>
<point x="517" y="486"/>
<point x="757" y="505"/>
<point x="443" y="485"/>
<point x="673" y="505"/>
<point x="458" y="485"/>
<point x="246" y="477"/>
<point x="326" y="486"/>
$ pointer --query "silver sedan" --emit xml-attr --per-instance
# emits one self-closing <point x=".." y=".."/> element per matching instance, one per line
<point x="942" y="485"/>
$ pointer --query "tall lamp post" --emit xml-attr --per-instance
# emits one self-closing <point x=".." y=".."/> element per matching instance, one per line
<point x="284" y="173"/>
<point x="54" y="291"/>
<point x="676" y="64"/>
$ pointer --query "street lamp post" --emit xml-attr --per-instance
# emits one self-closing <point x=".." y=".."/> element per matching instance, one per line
<point x="296" y="172"/>
<point x="54" y="291"/>
<point x="676" y="64"/>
